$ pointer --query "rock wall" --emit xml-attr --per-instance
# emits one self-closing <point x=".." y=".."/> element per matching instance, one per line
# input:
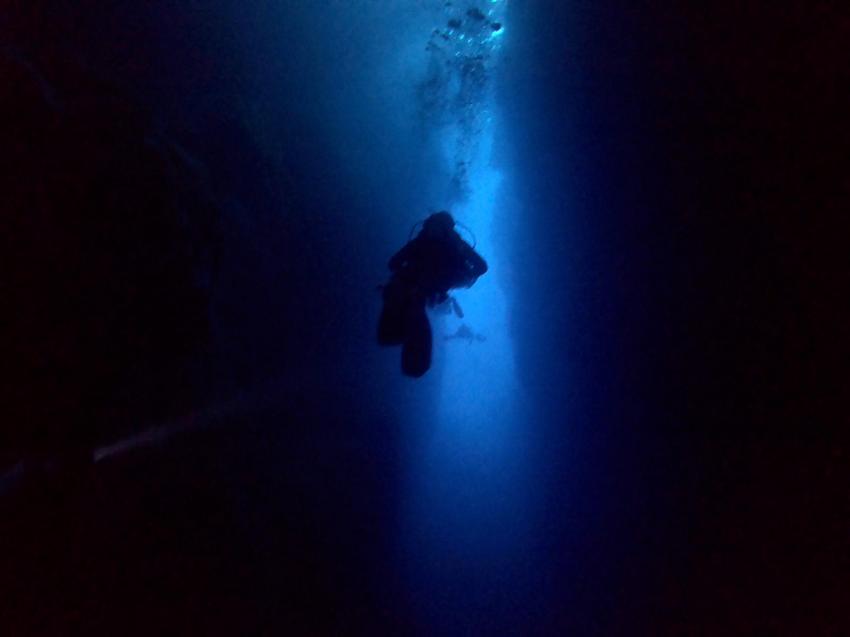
<point x="109" y="239"/>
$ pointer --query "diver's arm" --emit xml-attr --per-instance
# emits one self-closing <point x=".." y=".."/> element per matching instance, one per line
<point x="397" y="260"/>
<point x="477" y="264"/>
<point x="474" y="265"/>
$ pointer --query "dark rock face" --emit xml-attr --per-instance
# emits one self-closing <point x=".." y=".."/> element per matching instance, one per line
<point x="108" y="244"/>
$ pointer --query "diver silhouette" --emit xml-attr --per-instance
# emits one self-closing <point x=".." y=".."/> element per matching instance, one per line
<point x="423" y="271"/>
<point x="465" y="333"/>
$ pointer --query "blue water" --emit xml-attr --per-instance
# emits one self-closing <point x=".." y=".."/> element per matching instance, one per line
<point x="325" y="132"/>
<point x="602" y="454"/>
<point x="407" y="104"/>
<point x="407" y="117"/>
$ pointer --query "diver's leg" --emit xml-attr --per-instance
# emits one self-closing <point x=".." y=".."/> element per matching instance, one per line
<point x="390" y="330"/>
<point x="416" y="351"/>
<point x="391" y="321"/>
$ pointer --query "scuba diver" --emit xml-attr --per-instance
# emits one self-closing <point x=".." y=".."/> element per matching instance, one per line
<point x="465" y="333"/>
<point x="423" y="272"/>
